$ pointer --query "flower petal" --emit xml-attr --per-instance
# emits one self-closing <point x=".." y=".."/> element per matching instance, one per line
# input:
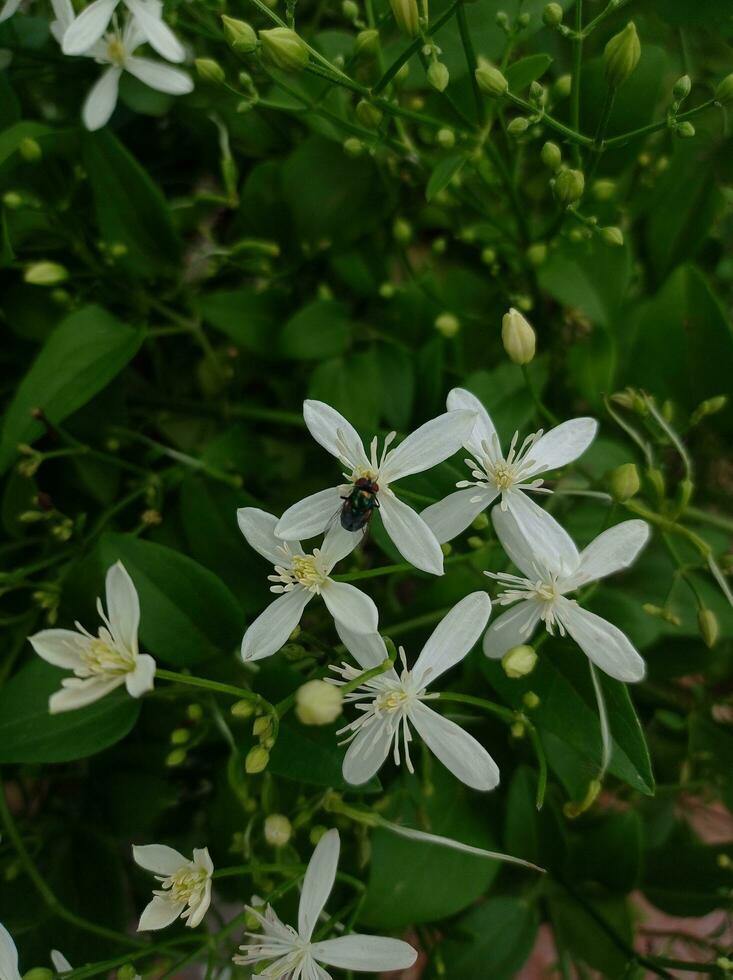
<point x="59" y="961"/>
<point x="610" y="552"/>
<point x="367" y="953"/>
<point x="77" y="693"/>
<point x="602" y="642"/>
<point x="459" y="752"/>
<point x="453" y="638"/>
<point x="258" y="528"/>
<point x="318" y="882"/>
<point x="159" y="913"/>
<point x="86" y="29"/>
<point x="158" y="34"/>
<point x="61" y="648"/>
<point x="367" y="753"/>
<point x="332" y="431"/>
<point x="159" y="858"/>
<point x="562" y="444"/>
<point x="348" y="605"/>
<point x="161" y="77"/>
<point x="123" y="606"/>
<point x="367" y="649"/>
<point x="9" y="8"/>
<point x="427" y="446"/>
<point x="8" y="956"/>
<point x="199" y="911"/>
<point x="546" y="542"/>
<point x="452" y="515"/>
<point x="339" y="543"/>
<point x="102" y="98"/>
<point x="410" y="534"/>
<point x="483" y="428"/>
<point x="142" y="678"/>
<point x="311" y="515"/>
<point x="272" y="628"/>
<point x="511" y="629"/>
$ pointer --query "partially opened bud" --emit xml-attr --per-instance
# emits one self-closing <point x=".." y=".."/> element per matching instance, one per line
<point x="317" y="703"/>
<point x="709" y="627"/>
<point x="491" y="81"/>
<point x="569" y="186"/>
<point x="278" y="830"/>
<point x="407" y="16"/>
<point x="625" y="482"/>
<point x="256" y="760"/>
<point x="284" y="48"/>
<point x="45" y="274"/>
<point x="518" y="337"/>
<point x="438" y="76"/>
<point x="724" y="91"/>
<point x="621" y="55"/>
<point x="240" y="35"/>
<point x="519" y="661"/>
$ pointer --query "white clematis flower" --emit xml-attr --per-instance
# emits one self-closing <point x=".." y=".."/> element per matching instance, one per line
<point x="509" y="476"/>
<point x="298" y="578"/>
<point x="103" y="662"/>
<point x="117" y="50"/>
<point x="186" y="885"/>
<point x="427" y="446"/>
<point x="547" y="576"/>
<point x="295" y="956"/>
<point x="8" y="956"/>
<point x="390" y="702"/>
<point x="82" y="32"/>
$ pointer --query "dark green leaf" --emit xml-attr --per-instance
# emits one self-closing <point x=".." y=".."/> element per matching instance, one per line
<point x="321" y="329"/>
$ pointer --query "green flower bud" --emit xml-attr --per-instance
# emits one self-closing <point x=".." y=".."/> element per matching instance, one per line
<point x="621" y="55"/>
<point x="551" y="156"/>
<point x="530" y="700"/>
<point x="491" y="81"/>
<point x="350" y="10"/>
<point x="518" y="337"/>
<point x="278" y="830"/>
<point x="552" y="14"/>
<point x="475" y="543"/>
<point x="368" y="115"/>
<point x="194" y="712"/>
<point x="709" y="407"/>
<point x="563" y="86"/>
<point x="612" y="235"/>
<point x="685" y="130"/>
<point x="45" y="274"/>
<point x="284" y="48"/>
<point x="353" y="147"/>
<point x="447" y="324"/>
<point x="537" y="253"/>
<point x="175" y="758"/>
<point x="242" y="709"/>
<point x="179" y="736"/>
<point x="438" y="76"/>
<point x="707" y="621"/>
<point x="603" y="190"/>
<point x="519" y="661"/>
<point x="30" y="150"/>
<point x="210" y="70"/>
<point x="517" y="126"/>
<point x="366" y="42"/>
<point x="127" y="972"/>
<point x="317" y="703"/>
<point x="256" y="760"/>
<point x="488" y="255"/>
<point x="12" y="200"/>
<point x="240" y="35"/>
<point x="569" y="186"/>
<point x="446" y="138"/>
<point x="316" y="833"/>
<point x="402" y="231"/>
<point x="624" y="482"/>
<point x="682" y="88"/>
<point x="262" y="726"/>
<point x="39" y="973"/>
<point x="401" y="76"/>
<point x="724" y="91"/>
<point x="406" y="14"/>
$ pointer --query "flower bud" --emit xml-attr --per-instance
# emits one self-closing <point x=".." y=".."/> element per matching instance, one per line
<point x="446" y="138"/>
<point x="240" y="35"/>
<point x="707" y="621"/>
<point x="447" y="324"/>
<point x="402" y="231"/>
<point x="39" y="973"/>
<point x="537" y="253"/>
<point x="127" y="972"/>
<point x="262" y="726"/>
<point x="210" y="71"/>
<point x="682" y="88"/>
<point x="569" y="186"/>
<point x="402" y="75"/>
<point x="353" y="147"/>
<point x="12" y="200"/>
<point x="256" y="760"/>
<point x="278" y="830"/>
<point x="551" y="156"/>
<point x="709" y="407"/>
<point x="480" y="522"/>
<point x="367" y="114"/>
<point x="519" y="661"/>
<point x="406" y="14"/>
<point x="603" y="190"/>
<point x="179" y="736"/>
<point x="613" y="236"/>
<point x="438" y="76"/>
<point x="724" y="91"/>
<point x="45" y="274"/>
<point x="530" y="700"/>
<point x="475" y="543"/>
<point x="366" y="41"/>
<point x="621" y="55"/>
<point x="175" y="758"/>
<point x="194" y="712"/>
<point x="317" y="703"/>
<point x="284" y="48"/>
<point x="563" y="87"/>
<point x="552" y="14"/>
<point x="242" y="709"/>
<point x="685" y="130"/>
<point x="350" y="10"/>
<point x="517" y="126"/>
<point x="491" y="81"/>
<point x="30" y="150"/>
<point x="624" y="482"/>
<point x="488" y="255"/>
<point x="316" y="833"/>
<point x="518" y="337"/>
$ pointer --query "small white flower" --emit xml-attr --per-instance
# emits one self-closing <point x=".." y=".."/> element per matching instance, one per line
<point x="390" y="702"/>
<point x="8" y="956"/>
<point x="295" y="956"/>
<point x="509" y="476"/>
<point x="186" y="885"/>
<point x="105" y="661"/>
<point x="82" y="32"/>
<point x="298" y="578"/>
<point x="427" y="446"/>
<point x="548" y="574"/>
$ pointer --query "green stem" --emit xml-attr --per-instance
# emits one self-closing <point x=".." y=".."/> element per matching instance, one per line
<point x="612" y="7"/>
<point x="506" y="714"/>
<point x="542" y="409"/>
<point x="577" y="72"/>
<point x="571" y="134"/>
<point x="404" y="566"/>
<point x="241" y="693"/>
<point x="366" y="676"/>
<point x="715" y="520"/>
<point x="471" y="61"/>
<point x="413" y="48"/>
<point x="655" y="127"/>
<point x="598" y="144"/>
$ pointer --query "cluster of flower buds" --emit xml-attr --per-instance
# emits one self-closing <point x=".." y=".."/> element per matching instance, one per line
<point x="280" y="46"/>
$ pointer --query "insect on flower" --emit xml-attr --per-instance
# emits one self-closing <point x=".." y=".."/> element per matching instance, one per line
<point x="360" y="504"/>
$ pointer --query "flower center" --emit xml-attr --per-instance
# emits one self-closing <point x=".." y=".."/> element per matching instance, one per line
<point x="304" y="571"/>
<point x="392" y="700"/>
<point x="103" y="657"/>
<point x="186" y="884"/>
<point x="502" y="474"/>
<point x="491" y="470"/>
<point x="115" y="51"/>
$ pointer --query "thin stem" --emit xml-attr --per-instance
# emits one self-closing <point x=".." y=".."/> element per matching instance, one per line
<point x="539" y="404"/>
<point x="506" y="714"/>
<point x="603" y="718"/>
<point x="241" y="693"/>
<point x="598" y="144"/>
<point x="577" y="71"/>
<point x="612" y="7"/>
<point x="541" y="764"/>
<point x="404" y="566"/>
<point x="656" y="126"/>
<point x="366" y="676"/>
<point x="414" y="47"/>
<point x="571" y="134"/>
<point x="471" y="61"/>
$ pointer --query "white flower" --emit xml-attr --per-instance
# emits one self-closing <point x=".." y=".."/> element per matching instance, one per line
<point x="547" y="575"/>
<point x="116" y="49"/>
<point x="298" y="578"/>
<point x="84" y="31"/>
<point x="105" y="661"/>
<point x="186" y="885"/>
<point x="295" y="956"/>
<point x="8" y="956"/>
<point x="389" y="702"/>
<point x="509" y="476"/>
<point x="427" y="446"/>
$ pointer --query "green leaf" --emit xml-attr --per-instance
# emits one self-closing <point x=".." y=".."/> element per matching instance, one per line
<point x="79" y="359"/>
<point x="493" y="940"/>
<point x="248" y="318"/>
<point x="591" y="276"/>
<point x="186" y="613"/>
<point x="28" y="733"/>
<point x="503" y="392"/>
<point x="608" y="852"/>
<point x="353" y="386"/>
<point x="321" y="329"/>
<point x="684" y="877"/>
<point x="523" y="72"/>
<point x="444" y="173"/>
<point x="13" y="136"/>
<point x="585" y="940"/>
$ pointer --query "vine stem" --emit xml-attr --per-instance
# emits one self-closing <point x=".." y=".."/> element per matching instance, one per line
<point x="413" y="48"/>
<point x="656" y="126"/>
<point x="404" y="566"/>
<point x="240" y="693"/>
<point x="577" y="72"/>
<point x="471" y="61"/>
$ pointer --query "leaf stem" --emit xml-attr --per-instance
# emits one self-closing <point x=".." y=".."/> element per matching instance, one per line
<point x="656" y="126"/>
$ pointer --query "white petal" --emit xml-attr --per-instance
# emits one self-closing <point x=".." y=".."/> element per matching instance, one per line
<point x="332" y="431"/>
<point x="61" y="648"/>
<point x="88" y="27"/>
<point x="367" y="649"/>
<point x="158" y="34"/>
<point x="200" y="910"/>
<point x="410" y="534"/>
<point x="102" y="99"/>
<point x="483" y="428"/>
<point x="452" y="638"/>
<point x="429" y="445"/>
<point x="562" y="444"/>
<point x="348" y="605"/>
<point x="258" y="528"/>
<point x="161" y="77"/>
<point x="310" y="516"/>
<point x="452" y="515"/>
<point x="602" y="642"/>
<point x="615" y="549"/>
<point x="546" y="543"/>
<point x="272" y="628"/>
<point x="123" y="606"/>
<point x="59" y="961"/>
<point x="142" y="678"/>
<point x="78" y="693"/>
<point x="64" y="13"/>
<point x="459" y="752"/>
<point x="8" y="956"/>
<point x="159" y="858"/>
<point x="339" y="543"/>
<point x="512" y="628"/>
<point x="318" y="882"/>
<point x="202" y="859"/>
<point x="367" y="753"/>
<point x="9" y="8"/>
<point x="159" y="913"/>
<point x="366" y="953"/>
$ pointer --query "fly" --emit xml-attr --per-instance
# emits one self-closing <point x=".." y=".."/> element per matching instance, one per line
<point x="359" y="505"/>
